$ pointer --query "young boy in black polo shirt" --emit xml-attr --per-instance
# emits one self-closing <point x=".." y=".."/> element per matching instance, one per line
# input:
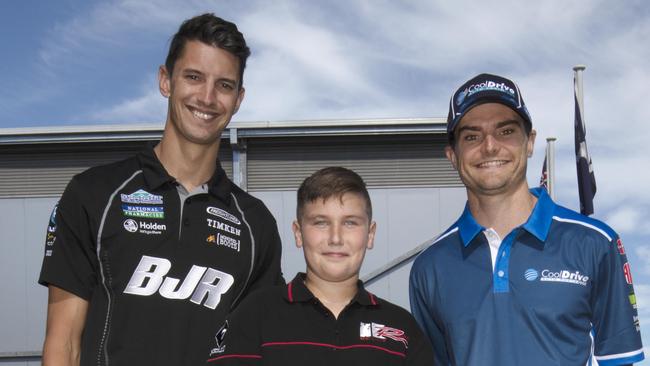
<point x="324" y="316"/>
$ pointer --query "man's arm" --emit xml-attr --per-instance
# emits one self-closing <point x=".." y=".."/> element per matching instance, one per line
<point x="66" y="316"/>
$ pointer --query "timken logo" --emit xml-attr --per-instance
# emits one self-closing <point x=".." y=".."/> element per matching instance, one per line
<point x="565" y="276"/>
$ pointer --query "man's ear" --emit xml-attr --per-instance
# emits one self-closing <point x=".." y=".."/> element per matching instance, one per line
<point x="164" y="81"/>
<point x="371" y="235"/>
<point x="531" y="143"/>
<point x="240" y="98"/>
<point x="295" y="227"/>
<point x="451" y="156"/>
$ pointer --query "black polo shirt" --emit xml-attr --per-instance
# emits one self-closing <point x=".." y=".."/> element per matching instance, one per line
<point x="158" y="265"/>
<point x="288" y="325"/>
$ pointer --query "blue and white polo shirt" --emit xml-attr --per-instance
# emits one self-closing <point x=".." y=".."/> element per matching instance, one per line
<point x="558" y="292"/>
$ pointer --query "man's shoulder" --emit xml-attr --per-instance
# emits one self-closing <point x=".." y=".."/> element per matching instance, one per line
<point x="249" y="203"/>
<point x="445" y="241"/>
<point x="105" y="174"/>
<point x="568" y="219"/>
<point x="101" y="181"/>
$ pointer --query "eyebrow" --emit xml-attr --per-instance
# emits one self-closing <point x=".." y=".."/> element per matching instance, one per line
<point x="195" y="71"/>
<point x="501" y="124"/>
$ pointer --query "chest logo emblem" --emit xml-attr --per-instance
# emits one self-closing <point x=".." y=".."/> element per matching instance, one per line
<point x="381" y="332"/>
<point x="565" y="276"/>
<point x="223" y="214"/>
<point x="141" y="196"/>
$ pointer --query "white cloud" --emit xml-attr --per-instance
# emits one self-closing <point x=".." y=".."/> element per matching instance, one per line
<point x="150" y="107"/>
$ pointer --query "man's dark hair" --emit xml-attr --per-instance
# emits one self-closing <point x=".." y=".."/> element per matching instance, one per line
<point x="211" y="30"/>
<point x="332" y="182"/>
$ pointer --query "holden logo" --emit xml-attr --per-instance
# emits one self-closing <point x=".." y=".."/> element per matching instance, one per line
<point x="130" y="225"/>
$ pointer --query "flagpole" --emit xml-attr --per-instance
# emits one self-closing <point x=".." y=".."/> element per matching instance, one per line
<point x="550" y="159"/>
<point x="585" y="170"/>
<point x="578" y="69"/>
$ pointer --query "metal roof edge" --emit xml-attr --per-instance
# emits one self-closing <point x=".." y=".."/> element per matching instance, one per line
<point x="246" y="129"/>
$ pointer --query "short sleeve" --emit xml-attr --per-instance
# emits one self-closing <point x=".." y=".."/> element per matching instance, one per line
<point x="267" y="270"/>
<point x="69" y="260"/>
<point x="422" y="308"/>
<point x="420" y="352"/>
<point x="617" y="339"/>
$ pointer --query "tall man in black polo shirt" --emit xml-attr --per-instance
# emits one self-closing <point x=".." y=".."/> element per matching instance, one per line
<point x="324" y="317"/>
<point x="145" y="255"/>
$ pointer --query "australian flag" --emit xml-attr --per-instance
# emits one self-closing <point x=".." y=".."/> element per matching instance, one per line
<point x="586" y="178"/>
<point x="543" y="180"/>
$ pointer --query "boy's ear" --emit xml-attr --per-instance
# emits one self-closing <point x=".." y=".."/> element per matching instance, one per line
<point x="371" y="235"/>
<point x="295" y="227"/>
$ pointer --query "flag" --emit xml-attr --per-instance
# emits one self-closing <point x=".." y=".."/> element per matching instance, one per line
<point x="543" y="180"/>
<point x="585" y="170"/>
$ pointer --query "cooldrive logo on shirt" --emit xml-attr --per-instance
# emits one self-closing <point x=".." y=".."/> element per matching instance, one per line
<point x="200" y="283"/>
<point x="566" y="276"/>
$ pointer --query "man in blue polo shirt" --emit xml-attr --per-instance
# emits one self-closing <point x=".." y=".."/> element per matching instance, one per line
<point x="518" y="280"/>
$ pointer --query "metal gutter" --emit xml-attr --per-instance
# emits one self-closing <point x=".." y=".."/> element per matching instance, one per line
<point x="147" y="132"/>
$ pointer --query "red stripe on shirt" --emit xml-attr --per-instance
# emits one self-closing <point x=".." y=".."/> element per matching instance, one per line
<point x="289" y="292"/>
<point x="271" y="344"/>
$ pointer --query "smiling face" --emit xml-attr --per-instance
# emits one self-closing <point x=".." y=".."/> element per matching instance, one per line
<point x="334" y="235"/>
<point x="491" y="150"/>
<point x="204" y="93"/>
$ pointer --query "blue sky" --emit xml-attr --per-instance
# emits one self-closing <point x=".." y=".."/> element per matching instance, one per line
<point x="74" y="62"/>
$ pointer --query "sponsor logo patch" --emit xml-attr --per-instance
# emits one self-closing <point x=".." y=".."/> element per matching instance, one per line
<point x="564" y="276"/>
<point x="620" y="247"/>
<point x="144" y="227"/>
<point x="635" y="319"/>
<point x="224" y="241"/>
<point x="628" y="273"/>
<point x="223" y="214"/>
<point x="219" y="339"/>
<point x="380" y="331"/>
<point x="141" y="196"/>
<point x="632" y="298"/>
<point x="202" y="285"/>
<point x="223" y="227"/>
<point x="152" y="212"/>
<point x="531" y="274"/>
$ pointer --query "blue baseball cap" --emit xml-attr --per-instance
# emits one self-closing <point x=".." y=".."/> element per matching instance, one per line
<point x="485" y="88"/>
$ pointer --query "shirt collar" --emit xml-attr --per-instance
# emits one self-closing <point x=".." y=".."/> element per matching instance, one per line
<point x="298" y="292"/>
<point x="155" y="175"/>
<point x="538" y="223"/>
